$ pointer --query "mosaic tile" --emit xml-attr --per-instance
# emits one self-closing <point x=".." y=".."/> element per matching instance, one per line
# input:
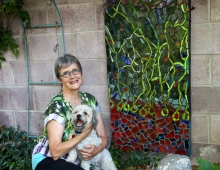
<point x="148" y="56"/>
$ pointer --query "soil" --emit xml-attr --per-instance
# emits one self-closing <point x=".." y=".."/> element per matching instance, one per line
<point x="195" y="167"/>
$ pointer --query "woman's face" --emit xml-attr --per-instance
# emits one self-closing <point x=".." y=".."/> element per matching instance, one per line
<point x="71" y="77"/>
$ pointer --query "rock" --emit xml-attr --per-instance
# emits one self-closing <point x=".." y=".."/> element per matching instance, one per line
<point x="174" y="162"/>
<point x="210" y="153"/>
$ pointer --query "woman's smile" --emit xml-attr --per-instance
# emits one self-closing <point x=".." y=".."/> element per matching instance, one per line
<point x="71" y="78"/>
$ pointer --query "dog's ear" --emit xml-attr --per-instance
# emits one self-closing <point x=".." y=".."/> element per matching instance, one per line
<point x="94" y="119"/>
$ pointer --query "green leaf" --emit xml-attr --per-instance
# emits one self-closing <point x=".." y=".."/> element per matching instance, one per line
<point x="217" y="167"/>
<point x="138" y="157"/>
<point x="7" y="34"/>
<point x="16" y="154"/>
<point x="13" y="46"/>
<point x="2" y="59"/>
<point x="4" y="47"/>
<point x="205" y="164"/>
<point x="28" y="24"/>
<point x="16" y="53"/>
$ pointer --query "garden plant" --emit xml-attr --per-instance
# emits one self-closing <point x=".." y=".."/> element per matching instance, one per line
<point x="15" y="149"/>
<point x="9" y="9"/>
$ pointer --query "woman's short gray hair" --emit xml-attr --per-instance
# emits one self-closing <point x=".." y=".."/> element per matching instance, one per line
<point x="65" y="61"/>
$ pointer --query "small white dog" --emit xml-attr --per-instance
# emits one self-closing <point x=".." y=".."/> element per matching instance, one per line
<point x="81" y="117"/>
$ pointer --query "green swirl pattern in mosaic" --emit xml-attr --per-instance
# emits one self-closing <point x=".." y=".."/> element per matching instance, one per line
<point x="149" y="74"/>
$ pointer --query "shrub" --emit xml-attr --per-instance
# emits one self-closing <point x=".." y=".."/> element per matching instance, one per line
<point x="126" y="159"/>
<point x="15" y="149"/>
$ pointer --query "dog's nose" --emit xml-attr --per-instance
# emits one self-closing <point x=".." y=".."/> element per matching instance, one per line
<point x="78" y="116"/>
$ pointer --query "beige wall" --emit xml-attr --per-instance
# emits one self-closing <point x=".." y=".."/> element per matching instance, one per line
<point x="84" y="37"/>
<point x="205" y="78"/>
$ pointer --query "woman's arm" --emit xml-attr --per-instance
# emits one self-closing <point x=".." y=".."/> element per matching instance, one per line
<point x="100" y="130"/>
<point x="57" y="147"/>
<point x="91" y="150"/>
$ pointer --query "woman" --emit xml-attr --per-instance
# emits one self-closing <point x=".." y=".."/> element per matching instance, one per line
<point x="53" y="146"/>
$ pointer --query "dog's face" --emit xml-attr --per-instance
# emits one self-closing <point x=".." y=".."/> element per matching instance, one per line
<point x="82" y="116"/>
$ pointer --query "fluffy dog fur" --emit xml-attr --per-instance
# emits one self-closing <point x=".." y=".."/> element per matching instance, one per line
<point x="81" y="117"/>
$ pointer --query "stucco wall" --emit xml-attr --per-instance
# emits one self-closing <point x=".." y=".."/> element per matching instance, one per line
<point x="84" y="37"/>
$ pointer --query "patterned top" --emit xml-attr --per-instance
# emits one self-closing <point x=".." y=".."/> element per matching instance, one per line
<point x="59" y="109"/>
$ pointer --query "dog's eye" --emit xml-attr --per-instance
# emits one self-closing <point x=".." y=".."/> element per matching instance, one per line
<point x="85" y="113"/>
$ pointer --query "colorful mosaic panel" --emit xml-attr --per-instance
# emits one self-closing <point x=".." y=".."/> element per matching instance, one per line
<point x="148" y="54"/>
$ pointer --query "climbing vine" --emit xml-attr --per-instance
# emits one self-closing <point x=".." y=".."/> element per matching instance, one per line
<point x="10" y="9"/>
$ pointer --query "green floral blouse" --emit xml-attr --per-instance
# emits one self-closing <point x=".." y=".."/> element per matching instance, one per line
<point x="59" y="109"/>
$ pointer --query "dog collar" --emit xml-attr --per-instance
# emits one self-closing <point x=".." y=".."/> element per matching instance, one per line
<point x="76" y="132"/>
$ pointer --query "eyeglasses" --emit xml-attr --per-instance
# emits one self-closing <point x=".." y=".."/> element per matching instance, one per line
<point x="67" y="74"/>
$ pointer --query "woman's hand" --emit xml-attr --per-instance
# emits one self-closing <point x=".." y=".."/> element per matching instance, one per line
<point x="89" y="128"/>
<point x="89" y="152"/>
<point x="86" y="132"/>
<point x="57" y="147"/>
